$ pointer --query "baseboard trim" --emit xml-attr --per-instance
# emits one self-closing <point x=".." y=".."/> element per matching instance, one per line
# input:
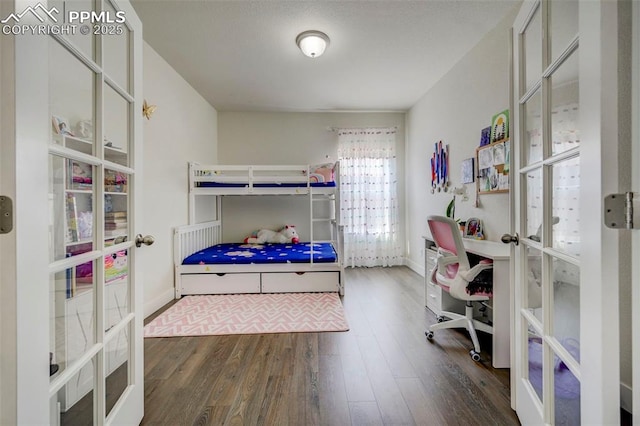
<point x="626" y="398"/>
<point x="153" y="305"/>
<point x="416" y="267"/>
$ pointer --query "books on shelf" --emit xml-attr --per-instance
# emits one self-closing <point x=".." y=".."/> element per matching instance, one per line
<point x="115" y="226"/>
<point x="70" y="276"/>
<point x="110" y="235"/>
<point x="115" y="215"/>
<point x="71" y="235"/>
<point x="115" y="221"/>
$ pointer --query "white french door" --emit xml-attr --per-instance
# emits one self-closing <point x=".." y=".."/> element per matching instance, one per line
<point x="73" y="318"/>
<point x="566" y="278"/>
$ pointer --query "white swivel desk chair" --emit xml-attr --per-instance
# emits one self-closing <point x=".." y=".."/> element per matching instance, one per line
<point x="456" y="276"/>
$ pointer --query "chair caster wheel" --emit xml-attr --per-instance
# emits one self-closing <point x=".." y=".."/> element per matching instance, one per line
<point x="440" y="318"/>
<point x="474" y="355"/>
<point x="429" y="335"/>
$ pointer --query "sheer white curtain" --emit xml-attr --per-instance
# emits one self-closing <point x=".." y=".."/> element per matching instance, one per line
<point x="368" y="197"/>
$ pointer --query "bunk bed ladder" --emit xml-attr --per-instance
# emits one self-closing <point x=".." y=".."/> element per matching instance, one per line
<point x="319" y="198"/>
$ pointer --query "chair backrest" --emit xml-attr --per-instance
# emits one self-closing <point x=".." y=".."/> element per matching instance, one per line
<point x="446" y="235"/>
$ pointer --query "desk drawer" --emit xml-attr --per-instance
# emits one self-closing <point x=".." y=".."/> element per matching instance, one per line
<point x="430" y="259"/>
<point x="433" y="296"/>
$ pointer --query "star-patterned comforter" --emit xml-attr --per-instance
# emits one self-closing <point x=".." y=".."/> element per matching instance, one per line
<point x="240" y="253"/>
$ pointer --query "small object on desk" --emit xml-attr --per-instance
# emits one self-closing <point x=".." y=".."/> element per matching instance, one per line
<point x="462" y="224"/>
<point x="474" y="229"/>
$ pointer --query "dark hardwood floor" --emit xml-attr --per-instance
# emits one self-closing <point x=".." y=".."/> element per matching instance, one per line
<point x="381" y="372"/>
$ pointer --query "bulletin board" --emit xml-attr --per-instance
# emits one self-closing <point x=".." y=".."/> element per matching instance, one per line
<point x="493" y="167"/>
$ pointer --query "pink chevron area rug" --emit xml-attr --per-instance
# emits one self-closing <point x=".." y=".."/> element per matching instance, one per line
<point x="250" y="314"/>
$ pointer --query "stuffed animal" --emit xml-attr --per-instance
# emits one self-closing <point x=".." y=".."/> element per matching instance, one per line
<point x="287" y="234"/>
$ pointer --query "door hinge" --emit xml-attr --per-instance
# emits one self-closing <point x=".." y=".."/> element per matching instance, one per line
<point x="620" y="211"/>
<point x="6" y="214"/>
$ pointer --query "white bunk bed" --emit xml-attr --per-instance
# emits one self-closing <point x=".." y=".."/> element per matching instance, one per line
<point x="222" y="181"/>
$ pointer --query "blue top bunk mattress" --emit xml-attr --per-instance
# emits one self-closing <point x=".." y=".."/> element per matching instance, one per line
<point x="241" y="253"/>
<point x="265" y="185"/>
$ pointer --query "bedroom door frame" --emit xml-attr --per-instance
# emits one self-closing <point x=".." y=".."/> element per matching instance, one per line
<point x="27" y="391"/>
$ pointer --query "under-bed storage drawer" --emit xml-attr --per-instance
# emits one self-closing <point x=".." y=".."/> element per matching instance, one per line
<point x="292" y="282"/>
<point x="220" y="283"/>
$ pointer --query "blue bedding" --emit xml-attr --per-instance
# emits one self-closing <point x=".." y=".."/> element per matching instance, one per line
<point x="266" y="185"/>
<point x="240" y="253"/>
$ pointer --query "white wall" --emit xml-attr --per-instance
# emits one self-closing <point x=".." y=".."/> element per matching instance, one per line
<point x="454" y="111"/>
<point x="184" y="128"/>
<point x="288" y="138"/>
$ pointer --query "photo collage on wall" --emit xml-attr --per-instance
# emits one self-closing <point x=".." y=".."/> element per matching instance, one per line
<point x="493" y="158"/>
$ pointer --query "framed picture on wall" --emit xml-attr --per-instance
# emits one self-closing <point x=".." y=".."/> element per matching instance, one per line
<point x="485" y="136"/>
<point x="467" y="170"/>
<point x="493" y="168"/>
<point x="500" y="126"/>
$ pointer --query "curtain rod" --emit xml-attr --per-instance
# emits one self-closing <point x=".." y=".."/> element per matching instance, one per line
<point x="335" y="129"/>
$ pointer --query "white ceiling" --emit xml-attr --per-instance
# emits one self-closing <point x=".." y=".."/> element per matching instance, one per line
<point x="384" y="55"/>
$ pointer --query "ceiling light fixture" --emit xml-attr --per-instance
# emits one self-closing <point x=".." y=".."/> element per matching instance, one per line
<point x="312" y="43"/>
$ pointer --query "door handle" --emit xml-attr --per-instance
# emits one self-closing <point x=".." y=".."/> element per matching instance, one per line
<point x="508" y="239"/>
<point x="147" y="240"/>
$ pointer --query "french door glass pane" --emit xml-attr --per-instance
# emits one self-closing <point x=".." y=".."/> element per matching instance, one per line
<point x="73" y="404"/>
<point x="533" y="211"/>
<point x="84" y="42"/>
<point x="565" y="112"/>
<point x="116" y="54"/>
<point x="117" y="365"/>
<point x="71" y="215"/>
<point x="532" y="142"/>
<point x="566" y="391"/>
<point x="72" y="321"/>
<point x="116" y="127"/>
<point x="534" y="282"/>
<point x="71" y="100"/>
<point x="534" y="360"/>
<point x="563" y="25"/>
<point x="566" y="306"/>
<point x="566" y="206"/>
<point x="532" y="37"/>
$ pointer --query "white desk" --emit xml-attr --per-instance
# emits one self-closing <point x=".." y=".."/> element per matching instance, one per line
<point x="499" y="253"/>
